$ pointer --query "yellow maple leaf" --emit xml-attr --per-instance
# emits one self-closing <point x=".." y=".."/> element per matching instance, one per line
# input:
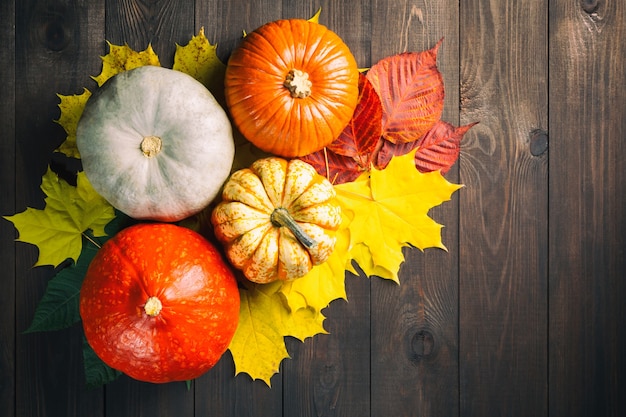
<point x="199" y="59"/>
<point x="69" y="213"/>
<point x="365" y="261"/>
<point x="258" y="346"/>
<point x="123" y="58"/>
<point x="389" y="210"/>
<point x="71" y="109"/>
<point x="303" y="323"/>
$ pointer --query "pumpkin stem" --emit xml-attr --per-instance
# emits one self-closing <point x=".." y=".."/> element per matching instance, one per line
<point x="151" y="146"/>
<point x="280" y="217"/>
<point x="298" y="83"/>
<point x="153" y="306"/>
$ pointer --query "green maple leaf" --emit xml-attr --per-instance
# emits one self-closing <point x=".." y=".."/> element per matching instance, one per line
<point x="70" y="211"/>
<point x="123" y="58"/>
<point x="58" y="308"/>
<point x="97" y="372"/>
<point x="199" y="59"/>
<point x="389" y="210"/>
<point x="71" y="109"/>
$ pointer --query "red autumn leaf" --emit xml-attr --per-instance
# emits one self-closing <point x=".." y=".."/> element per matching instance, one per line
<point x="440" y="148"/>
<point x="388" y="150"/>
<point x="437" y="150"/>
<point x="338" y="169"/>
<point x="412" y="93"/>
<point x="359" y="138"/>
<point x="350" y="154"/>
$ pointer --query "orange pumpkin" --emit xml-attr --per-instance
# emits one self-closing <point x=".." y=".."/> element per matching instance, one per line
<point x="159" y="303"/>
<point x="291" y="87"/>
<point x="277" y="219"/>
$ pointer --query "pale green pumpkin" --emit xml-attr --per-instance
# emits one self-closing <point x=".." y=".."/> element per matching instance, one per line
<point x="155" y="143"/>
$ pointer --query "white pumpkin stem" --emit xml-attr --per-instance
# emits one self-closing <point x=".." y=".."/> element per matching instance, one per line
<point x="151" y="146"/>
<point x="298" y="83"/>
<point x="280" y="217"/>
<point x="153" y="306"/>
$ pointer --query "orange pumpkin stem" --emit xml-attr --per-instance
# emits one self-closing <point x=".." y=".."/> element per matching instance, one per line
<point x="298" y="83"/>
<point x="153" y="306"/>
<point x="280" y="217"/>
<point x="151" y="146"/>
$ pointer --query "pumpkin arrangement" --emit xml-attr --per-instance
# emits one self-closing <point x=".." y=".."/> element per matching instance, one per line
<point x="179" y="249"/>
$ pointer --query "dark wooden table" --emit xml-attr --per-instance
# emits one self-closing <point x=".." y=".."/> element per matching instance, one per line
<point x="525" y="316"/>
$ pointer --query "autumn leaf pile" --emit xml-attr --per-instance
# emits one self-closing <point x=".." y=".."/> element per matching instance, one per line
<point x="387" y="168"/>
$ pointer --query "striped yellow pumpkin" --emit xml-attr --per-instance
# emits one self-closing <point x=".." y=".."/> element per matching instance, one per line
<point x="277" y="219"/>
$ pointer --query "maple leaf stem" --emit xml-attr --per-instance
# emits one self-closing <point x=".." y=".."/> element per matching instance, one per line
<point x="326" y="162"/>
<point x="89" y="238"/>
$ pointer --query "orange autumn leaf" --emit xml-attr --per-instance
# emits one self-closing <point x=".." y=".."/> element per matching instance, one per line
<point x="411" y="91"/>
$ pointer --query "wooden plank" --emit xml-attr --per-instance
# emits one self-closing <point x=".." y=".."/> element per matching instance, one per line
<point x="415" y="326"/>
<point x="53" y="45"/>
<point x="587" y="201"/>
<point x="128" y="397"/>
<point x="503" y="241"/>
<point x="329" y="374"/>
<point x="220" y="392"/>
<point x="7" y="206"/>
<point x="162" y="25"/>
<point x="159" y="24"/>
<point x="225" y="22"/>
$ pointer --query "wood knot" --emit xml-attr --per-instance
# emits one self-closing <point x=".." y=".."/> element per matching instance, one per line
<point x="54" y="27"/>
<point x="538" y="142"/>
<point x="422" y="345"/>
<point x="590" y="6"/>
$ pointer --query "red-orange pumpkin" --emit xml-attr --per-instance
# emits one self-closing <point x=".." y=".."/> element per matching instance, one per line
<point x="159" y="303"/>
<point x="291" y="87"/>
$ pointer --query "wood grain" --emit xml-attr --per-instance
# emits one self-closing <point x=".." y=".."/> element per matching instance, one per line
<point x="525" y="313"/>
<point x="329" y="375"/>
<point x="52" y="46"/>
<point x="587" y="202"/>
<point x="160" y="23"/>
<point x="504" y="220"/>
<point x="218" y="392"/>
<point x="7" y="207"/>
<point x="415" y="326"/>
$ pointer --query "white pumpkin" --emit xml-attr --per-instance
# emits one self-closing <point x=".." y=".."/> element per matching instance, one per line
<point x="155" y="143"/>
